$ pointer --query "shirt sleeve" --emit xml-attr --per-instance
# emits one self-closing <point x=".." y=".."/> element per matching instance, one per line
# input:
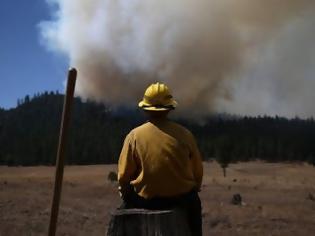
<point x="126" y="163"/>
<point x="196" y="161"/>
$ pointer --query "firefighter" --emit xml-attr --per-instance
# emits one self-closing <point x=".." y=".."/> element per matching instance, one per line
<point x="160" y="166"/>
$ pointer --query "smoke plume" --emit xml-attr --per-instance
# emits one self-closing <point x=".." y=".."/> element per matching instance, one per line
<point x="243" y="57"/>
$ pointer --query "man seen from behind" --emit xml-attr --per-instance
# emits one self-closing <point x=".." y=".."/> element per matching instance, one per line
<point x="160" y="166"/>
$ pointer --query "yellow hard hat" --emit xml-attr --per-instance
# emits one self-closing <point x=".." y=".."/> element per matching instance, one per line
<point x="157" y="97"/>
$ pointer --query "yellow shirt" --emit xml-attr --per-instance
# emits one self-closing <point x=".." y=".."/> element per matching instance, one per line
<point x="160" y="158"/>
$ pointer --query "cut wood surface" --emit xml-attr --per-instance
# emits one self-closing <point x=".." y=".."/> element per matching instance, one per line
<point x="141" y="222"/>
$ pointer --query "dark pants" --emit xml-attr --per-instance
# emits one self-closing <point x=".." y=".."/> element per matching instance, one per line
<point x="189" y="202"/>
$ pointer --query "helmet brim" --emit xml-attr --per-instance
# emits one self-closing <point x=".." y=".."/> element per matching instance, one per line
<point x="149" y="107"/>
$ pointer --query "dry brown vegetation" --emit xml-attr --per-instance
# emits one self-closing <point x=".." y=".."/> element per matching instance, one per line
<point x="277" y="200"/>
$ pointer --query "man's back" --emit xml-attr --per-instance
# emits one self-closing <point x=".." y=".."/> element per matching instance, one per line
<point x="166" y="158"/>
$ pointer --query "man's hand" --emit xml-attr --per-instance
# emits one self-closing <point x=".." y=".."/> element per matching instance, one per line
<point x="125" y="190"/>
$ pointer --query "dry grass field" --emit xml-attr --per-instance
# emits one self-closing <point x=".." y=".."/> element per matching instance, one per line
<point x="276" y="200"/>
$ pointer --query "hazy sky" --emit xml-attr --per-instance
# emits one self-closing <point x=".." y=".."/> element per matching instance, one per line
<point x="246" y="57"/>
<point x="241" y="57"/>
<point x="26" y="67"/>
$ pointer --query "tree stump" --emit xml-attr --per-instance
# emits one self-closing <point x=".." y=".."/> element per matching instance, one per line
<point x="141" y="222"/>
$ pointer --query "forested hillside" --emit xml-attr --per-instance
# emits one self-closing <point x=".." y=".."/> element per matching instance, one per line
<point x="29" y="134"/>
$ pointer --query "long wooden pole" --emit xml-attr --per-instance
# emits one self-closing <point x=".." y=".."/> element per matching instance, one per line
<point x="72" y="75"/>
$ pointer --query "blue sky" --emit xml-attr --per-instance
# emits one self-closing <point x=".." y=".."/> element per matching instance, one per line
<point x="26" y="67"/>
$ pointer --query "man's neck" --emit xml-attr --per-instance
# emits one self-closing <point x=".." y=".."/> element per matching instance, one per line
<point x="158" y="118"/>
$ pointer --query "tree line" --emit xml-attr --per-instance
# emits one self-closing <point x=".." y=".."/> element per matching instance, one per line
<point x="29" y="134"/>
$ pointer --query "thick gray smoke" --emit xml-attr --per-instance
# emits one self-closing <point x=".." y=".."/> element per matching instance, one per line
<point x="243" y="57"/>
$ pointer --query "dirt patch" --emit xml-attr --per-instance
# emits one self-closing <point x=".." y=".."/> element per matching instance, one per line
<point x="276" y="197"/>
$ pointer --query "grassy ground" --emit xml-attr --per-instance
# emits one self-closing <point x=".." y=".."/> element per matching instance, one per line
<point x="275" y="196"/>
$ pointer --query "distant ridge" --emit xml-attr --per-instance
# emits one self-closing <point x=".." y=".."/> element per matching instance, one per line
<point x="29" y="134"/>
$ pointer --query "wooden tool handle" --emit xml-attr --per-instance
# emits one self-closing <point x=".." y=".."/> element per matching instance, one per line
<point x="64" y="128"/>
